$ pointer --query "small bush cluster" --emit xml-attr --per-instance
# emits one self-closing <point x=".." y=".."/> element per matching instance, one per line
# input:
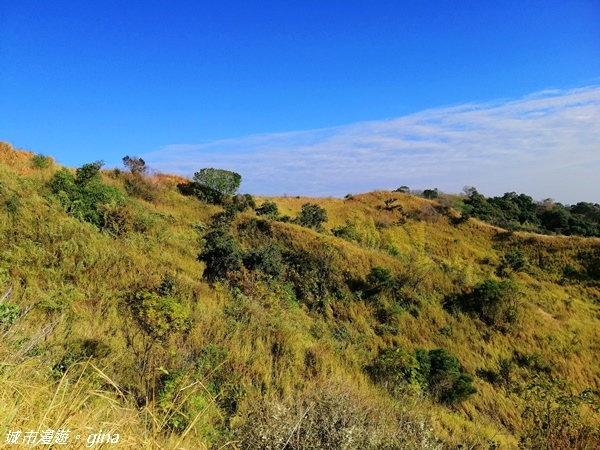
<point x="312" y="216"/>
<point x="40" y="161"/>
<point x="497" y="303"/>
<point x="84" y="194"/>
<point x="436" y="371"/>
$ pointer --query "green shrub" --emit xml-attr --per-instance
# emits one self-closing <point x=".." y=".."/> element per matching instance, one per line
<point x="497" y="303"/>
<point x="436" y="371"/>
<point x="268" y="209"/>
<point x="446" y="380"/>
<point x="266" y="259"/>
<point x="88" y="172"/>
<point x="40" y="161"/>
<point x="158" y="316"/>
<point x="84" y="195"/>
<point x="8" y="314"/>
<point x="221" y="254"/>
<point x="312" y="216"/>
<point x="349" y="231"/>
<point x="554" y="419"/>
<point x="135" y="165"/>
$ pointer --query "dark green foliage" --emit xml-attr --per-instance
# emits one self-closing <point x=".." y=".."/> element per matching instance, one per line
<point x="12" y="204"/>
<point x="313" y="275"/>
<point x="88" y="172"/>
<point x="8" y="314"/>
<point x="312" y="216"/>
<point x="241" y="202"/>
<point x="268" y="209"/>
<point x="395" y="367"/>
<point x="403" y="190"/>
<point x="250" y="201"/>
<point x="266" y="259"/>
<point x="215" y="186"/>
<point x="497" y="303"/>
<point x="389" y="205"/>
<point x="431" y="194"/>
<point x="63" y="181"/>
<point x="135" y="165"/>
<point x="40" y="161"/>
<point x="533" y="362"/>
<point x="224" y="182"/>
<point x="446" y="380"/>
<point x="519" y="211"/>
<point x="204" y="193"/>
<point x="436" y="370"/>
<point x="380" y="280"/>
<point x="349" y="231"/>
<point x="513" y="261"/>
<point x="84" y="195"/>
<point x="221" y="254"/>
<point x="555" y="219"/>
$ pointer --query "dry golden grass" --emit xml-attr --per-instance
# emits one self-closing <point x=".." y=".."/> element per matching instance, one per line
<point x="242" y="349"/>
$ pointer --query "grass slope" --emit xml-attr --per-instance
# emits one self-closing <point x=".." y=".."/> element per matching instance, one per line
<point x="116" y="330"/>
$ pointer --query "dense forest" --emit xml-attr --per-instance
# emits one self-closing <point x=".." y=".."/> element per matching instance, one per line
<point x="162" y="312"/>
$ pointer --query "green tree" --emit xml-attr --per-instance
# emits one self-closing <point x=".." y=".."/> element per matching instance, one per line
<point x="446" y="380"/>
<point x="431" y="194"/>
<point x="268" y="209"/>
<point x="221" y="254"/>
<point x="135" y="164"/>
<point x="222" y="181"/>
<point x="88" y="172"/>
<point x="312" y="216"/>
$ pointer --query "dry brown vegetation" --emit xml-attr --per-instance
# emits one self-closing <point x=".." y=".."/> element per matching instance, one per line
<point x="116" y="329"/>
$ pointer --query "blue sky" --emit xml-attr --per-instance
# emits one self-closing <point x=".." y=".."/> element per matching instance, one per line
<point x="315" y="98"/>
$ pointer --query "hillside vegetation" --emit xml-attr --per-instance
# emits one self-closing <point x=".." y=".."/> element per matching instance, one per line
<point x="132" y="306"/>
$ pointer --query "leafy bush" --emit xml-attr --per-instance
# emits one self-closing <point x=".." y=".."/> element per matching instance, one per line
<point x="220" y="183"/>
<point x="40" y="161"/>
<point x="84" y="194"/>
<point x="266" y="259"/>
<point x="312" y="216"/>
<point x="314" y="276"/>
<point x="446" y="381"/>
<point x="135" y="165"/>
<point x="88" y="172"/>
<point x="497" y="303"/>
<point x="221" y="254"/>
<point x="349" y="231"/>
<point x="158" y="316"/>
<point x="268" y="209"/>
<point x="436" y="371"/>
<point x="8" y="314"/>
<point x="555" y="420"/>
<point x="241" y="202"/>
<point x="514" y="260"/>
<point x="431" y="194"/>
<point x="519" y="211"/>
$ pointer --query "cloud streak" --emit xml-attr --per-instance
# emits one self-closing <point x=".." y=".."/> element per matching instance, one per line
<point x="546" y="144"/>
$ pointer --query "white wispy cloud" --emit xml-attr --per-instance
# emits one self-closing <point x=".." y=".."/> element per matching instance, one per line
<point x="546" y="144"/>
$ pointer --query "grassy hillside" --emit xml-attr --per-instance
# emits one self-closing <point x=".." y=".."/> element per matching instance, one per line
<point x="130" y="308"/>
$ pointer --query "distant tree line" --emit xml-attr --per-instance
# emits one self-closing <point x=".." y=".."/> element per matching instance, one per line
<point x="520" y="212"/>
